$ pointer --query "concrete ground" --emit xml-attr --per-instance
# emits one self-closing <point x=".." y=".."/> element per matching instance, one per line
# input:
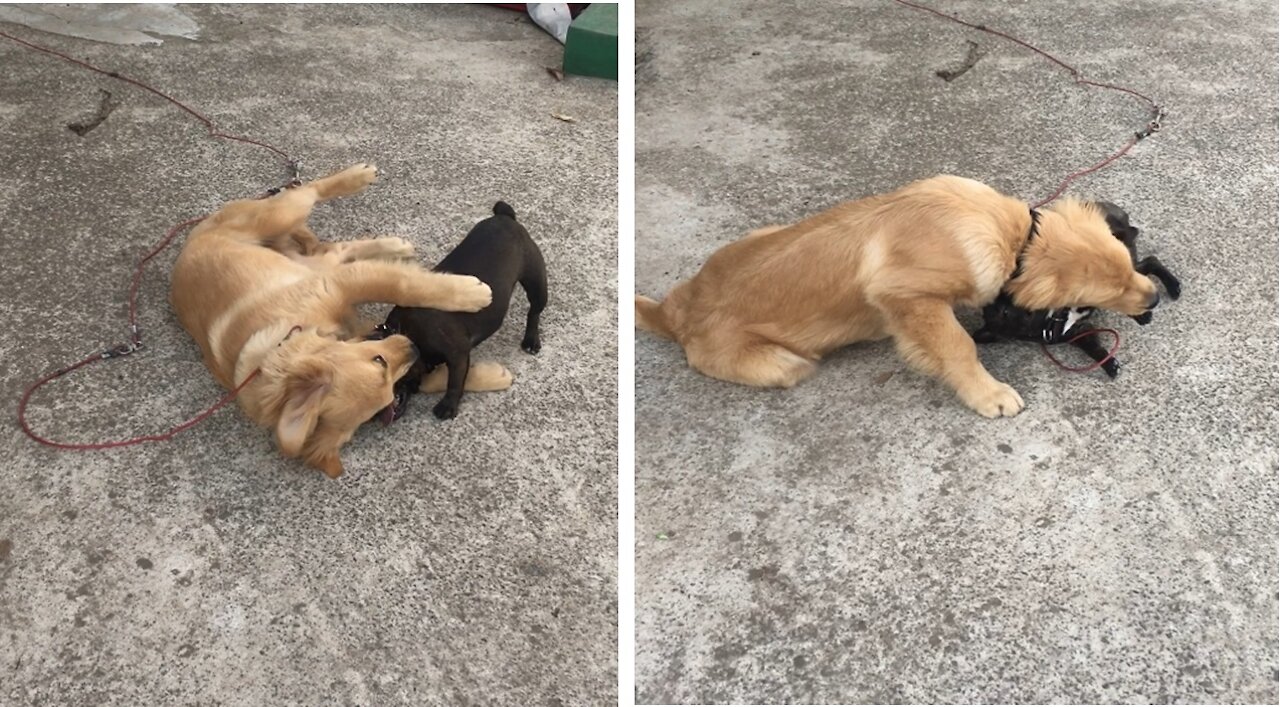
<point x="866" y="538"/>
<point x="467" y="562"/>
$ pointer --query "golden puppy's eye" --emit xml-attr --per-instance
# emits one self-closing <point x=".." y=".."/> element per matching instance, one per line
<point x="380" y="361"/>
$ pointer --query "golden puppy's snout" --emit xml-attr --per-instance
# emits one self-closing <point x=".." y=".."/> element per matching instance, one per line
<point x="403" y="352"/>
<point x="1141" y="297"/>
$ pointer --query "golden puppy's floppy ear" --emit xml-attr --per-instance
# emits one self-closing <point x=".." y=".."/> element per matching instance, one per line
<point x="307" y="383"/>
<point x="329" y="462"/>
<point x="322" y="451"/>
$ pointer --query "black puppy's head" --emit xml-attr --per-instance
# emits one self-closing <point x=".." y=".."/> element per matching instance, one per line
<point x="1118" y="221"/>
<point x="1004" y="318"/>
<point x="1127" y="233"/>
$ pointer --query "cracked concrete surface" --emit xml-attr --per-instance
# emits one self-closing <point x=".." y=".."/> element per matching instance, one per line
<point x="866" y="538"/>
<point x="468" y="562"/>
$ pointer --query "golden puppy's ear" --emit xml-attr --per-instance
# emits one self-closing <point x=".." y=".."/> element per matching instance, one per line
<point x="330" y="463"/>
<point x="307" y="383"/>
<point x="322" y="451"/>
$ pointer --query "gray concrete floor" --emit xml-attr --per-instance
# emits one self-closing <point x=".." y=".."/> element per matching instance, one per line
<point x="468" y="562"/>
<point x="866" y="539"/>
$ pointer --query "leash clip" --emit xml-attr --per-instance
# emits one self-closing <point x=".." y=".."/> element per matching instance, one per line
<point x="295" y="180"/>
<point x="295" y="166"/>
<point x="1154" y="126"/>
<point x="121" y="350"/>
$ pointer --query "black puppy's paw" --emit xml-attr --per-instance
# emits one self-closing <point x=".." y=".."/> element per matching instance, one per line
<point x="445" y="409"/>
<point x="1174" y="288"/>
<point x="1112" y="368"/>
<point x="531" y="346"/>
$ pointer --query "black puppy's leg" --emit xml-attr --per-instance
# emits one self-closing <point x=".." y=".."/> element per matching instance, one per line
<point x="984" y="336"/>
<point x="1151" y="265"/>
<point x="407" y="386"/>
<point x="459" y="364"/>
<point x="534" y="282"/>
<point x="1092" y="346"/>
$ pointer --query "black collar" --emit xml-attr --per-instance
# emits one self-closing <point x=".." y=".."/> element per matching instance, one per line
<point x="1031" y="235"/>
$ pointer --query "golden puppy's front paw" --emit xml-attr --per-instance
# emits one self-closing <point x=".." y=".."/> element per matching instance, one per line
<point x="467" y="294"/>
<point x="996" y="400"/>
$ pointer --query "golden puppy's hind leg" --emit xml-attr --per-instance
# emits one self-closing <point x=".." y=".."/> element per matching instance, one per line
<point x="351" y="180"/>
<point x="760" y="363"/>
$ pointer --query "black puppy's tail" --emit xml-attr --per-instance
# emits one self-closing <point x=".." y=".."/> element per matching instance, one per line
<point x="502" y="208"/>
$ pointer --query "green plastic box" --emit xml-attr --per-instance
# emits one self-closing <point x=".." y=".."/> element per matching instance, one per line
<point x="591" y="48"/>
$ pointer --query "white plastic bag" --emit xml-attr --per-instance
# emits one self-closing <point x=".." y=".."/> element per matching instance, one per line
<point x="554" y="17"/>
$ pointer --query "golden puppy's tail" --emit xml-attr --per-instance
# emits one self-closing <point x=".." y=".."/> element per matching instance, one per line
<point x="649" y="317"/>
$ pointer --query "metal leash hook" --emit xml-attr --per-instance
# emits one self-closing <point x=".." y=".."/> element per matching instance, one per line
<point x="295" y="179"/>
<point x="1154" y="126"/>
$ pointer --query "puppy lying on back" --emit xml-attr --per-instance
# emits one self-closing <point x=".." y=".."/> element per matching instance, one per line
<point x="1003" y="319"/>
<point x="259" y="292"/>
<point x="764" y="310"/>
<point x="499" y="252"/>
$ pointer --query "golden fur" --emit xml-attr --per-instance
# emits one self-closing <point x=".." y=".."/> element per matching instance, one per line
<point x="258" y="291"/>
<point x="763" y="310"/>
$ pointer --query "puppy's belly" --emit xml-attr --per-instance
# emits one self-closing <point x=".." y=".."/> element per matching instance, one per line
<point x="265" y="292"/>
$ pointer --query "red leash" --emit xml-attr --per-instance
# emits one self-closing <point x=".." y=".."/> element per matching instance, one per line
<point x="135" y="335"/>
<point x="1097" y="364"/>
<point x="1153" y="126"/>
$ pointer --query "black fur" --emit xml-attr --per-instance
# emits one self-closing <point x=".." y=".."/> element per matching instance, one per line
<point x="1002" y="319"/>
<point x="499" y="251"/>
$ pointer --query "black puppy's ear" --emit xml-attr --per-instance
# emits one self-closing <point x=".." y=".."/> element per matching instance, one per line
<point x="1117" y="220"/>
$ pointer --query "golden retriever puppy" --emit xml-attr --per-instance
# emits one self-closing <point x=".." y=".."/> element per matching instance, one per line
<point x="259" y="292"/>
<point x="763" y="310"/>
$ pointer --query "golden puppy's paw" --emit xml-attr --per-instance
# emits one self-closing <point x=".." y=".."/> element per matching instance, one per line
<point x="395" y="248"/>
<point x="466" y="294"/>
<point x="997" y="400"/>
<point x="489" y="376"/>
<point x="351" y="180"/>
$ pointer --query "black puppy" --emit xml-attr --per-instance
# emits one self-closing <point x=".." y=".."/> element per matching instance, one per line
<point x="499" y="251"/>
<point x="1002" y="319"/>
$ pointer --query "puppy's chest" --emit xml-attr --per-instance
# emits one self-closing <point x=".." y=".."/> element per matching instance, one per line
<point x="990" y="266"/>
<point x="1064" y="323"/>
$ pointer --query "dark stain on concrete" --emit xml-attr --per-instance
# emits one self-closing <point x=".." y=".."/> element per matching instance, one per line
<point x="766" y="572"/>
<point x="106" y="104"/>
<point x="144" y="563"/>
<point x="533" y="569"/>
<point x="1004" y="448"/>
<point x="971" y="58"/>
<point x="728" y="651"/>
<point x="6" y="548"/>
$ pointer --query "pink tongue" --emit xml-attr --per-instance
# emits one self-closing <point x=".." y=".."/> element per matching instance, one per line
<point x="388" y="414"/>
